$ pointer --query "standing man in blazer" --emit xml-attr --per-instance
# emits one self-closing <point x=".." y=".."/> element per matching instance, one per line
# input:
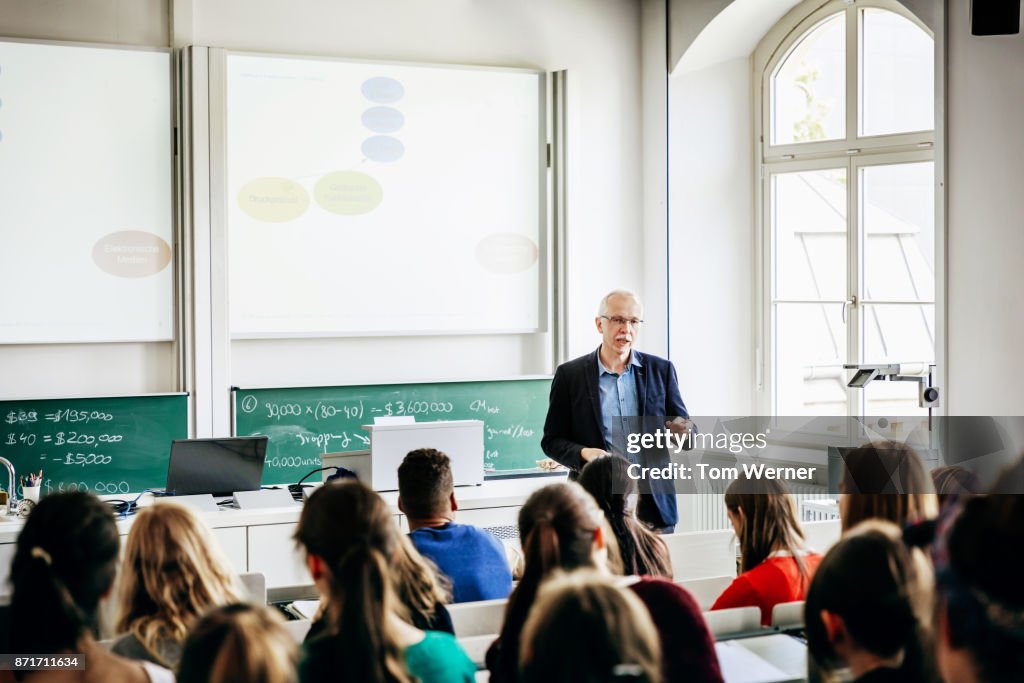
<point x="593" y="396"/>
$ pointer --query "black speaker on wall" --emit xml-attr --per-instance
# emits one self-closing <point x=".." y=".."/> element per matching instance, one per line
<point x="995" y="17"/>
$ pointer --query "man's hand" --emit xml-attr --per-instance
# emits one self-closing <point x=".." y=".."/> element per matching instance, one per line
<point x="679" y="426"/>
<point x="588" y="454"/>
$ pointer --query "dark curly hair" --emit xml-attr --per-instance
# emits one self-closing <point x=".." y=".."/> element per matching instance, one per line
<point x="424" y="482"/>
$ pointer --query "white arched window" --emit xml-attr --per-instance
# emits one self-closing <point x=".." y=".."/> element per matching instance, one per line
<point x="846" y="206"/>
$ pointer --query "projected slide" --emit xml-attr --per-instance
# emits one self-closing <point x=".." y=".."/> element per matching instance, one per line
<point x="383" y="199"/>
<point x="85" y="191"/>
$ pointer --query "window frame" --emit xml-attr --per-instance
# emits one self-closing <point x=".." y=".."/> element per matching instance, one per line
<point x="853" y="152"/>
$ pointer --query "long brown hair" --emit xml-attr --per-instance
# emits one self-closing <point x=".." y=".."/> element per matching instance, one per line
<point x="584" y="628"/>
<point x="351" y="529"/>
<point x="870" y="491"/>
<point x="642" y="551"/>
<point x="65" y="561"/>
<point x="557" y="528"/>
<point x="882" y="591"/>
<point x="173" y="572"/>
<point x="768" y="521"/>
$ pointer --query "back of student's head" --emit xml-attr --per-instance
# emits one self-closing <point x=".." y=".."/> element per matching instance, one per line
<point x="767" y="520"/>
<point x="583" y="628"/>
<point x="557" y="529"/>
<point x="173" y="572"/>
<point x="424" y="482"/>
<point x="885" y="480"/>
<point x="642" y="551"/>
<point x="982" y="593"/>
<point x="557" y="526"/>
<point x="239" y="643"/>
<point x="350" y="528"/>
<point x="954" y="482"/>
<point x="873" y="583"/>
<point x="65" y="561"/>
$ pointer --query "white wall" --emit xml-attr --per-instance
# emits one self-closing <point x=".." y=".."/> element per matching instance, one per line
<point x="139" y="22"/>
<point x="985" y="212"/>
<point x="654" y="94"/>
<point x="711" y="231"/>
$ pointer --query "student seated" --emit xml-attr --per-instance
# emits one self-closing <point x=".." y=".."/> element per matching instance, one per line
<point x="885" y="480"/>
<point x="980" y="605"/>
<point x="173" y="571"/>
<point x="239" y="644"/>
<point x="471" y="558"/>
<point x="643" y="552"/>
<point x="585" y="628"/>
<point x="561" y="529"/>
<point x="775" y="565"/>
<point x="866" y="608"/>
<point x="350" y="538"/>
<point x="64" y="563"/>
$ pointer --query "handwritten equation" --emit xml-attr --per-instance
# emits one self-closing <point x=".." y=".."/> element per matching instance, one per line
<point x="110" y="446"/>
<point x="317" y="423"/>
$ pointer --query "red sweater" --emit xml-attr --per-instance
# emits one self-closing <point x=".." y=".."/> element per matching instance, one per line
<point x="775" y="580"/>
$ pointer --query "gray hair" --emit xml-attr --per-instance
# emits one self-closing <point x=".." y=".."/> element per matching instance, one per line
<point x="602" y="308"/>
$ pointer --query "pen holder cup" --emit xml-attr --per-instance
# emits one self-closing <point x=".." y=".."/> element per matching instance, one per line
<point x="30" y="493"/>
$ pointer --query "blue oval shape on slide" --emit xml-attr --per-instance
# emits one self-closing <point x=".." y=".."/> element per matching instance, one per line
<point x="383" y="90"/>
<point x="383" y="119"/>
<point x="383" y="148"/>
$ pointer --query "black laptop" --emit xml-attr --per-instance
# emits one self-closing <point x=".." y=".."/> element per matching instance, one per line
<point x="217" y="466"/>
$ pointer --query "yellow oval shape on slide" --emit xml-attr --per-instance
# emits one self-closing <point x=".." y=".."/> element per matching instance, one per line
<point x="506" y="252"/>
<point x="348" y="193"/>
<point x="131" y="253"/>
<point x="274" y="200"/>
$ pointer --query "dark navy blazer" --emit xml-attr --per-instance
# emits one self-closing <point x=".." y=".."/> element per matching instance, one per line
<point x="574" y="413"/>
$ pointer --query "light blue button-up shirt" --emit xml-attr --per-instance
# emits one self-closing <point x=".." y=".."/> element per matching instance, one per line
<point x="619" y="401"/>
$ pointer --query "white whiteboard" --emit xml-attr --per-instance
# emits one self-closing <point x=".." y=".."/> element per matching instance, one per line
<point x="383" y="198"/>
<point x="85" y="194"/>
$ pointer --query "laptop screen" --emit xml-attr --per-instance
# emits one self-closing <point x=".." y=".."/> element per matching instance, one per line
<point x="217" y="466"/>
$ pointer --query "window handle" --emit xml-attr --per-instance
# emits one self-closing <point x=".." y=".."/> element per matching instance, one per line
<point x="852" y="301"/>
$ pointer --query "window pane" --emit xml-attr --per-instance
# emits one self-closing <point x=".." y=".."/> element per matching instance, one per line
<point x="809" y="87"/>
<point x="892" y="399"/>
<point x="893" y="333"/>
<point x="898" y="81"/>
<point x="897" y="334"/>
<point x="810" y="349"/>
<point x="898" y="214"/>
<point x="809" y="234"/>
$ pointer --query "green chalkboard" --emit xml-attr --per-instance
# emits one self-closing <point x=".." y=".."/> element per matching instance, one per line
<point x="105" y="445"/>
<point x="304" y="422"/>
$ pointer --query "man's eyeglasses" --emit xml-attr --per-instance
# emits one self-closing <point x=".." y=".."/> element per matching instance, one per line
<point x="621" y="322"/>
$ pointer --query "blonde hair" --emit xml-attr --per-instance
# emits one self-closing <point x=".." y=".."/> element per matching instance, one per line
<point x="584" y="628"/>
<point x="237" y="644"/>
<point x="417" y="581"/>
<point x="173" y="571"/>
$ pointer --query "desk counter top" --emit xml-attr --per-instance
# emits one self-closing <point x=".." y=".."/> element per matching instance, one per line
<point x="491" y="494"/>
